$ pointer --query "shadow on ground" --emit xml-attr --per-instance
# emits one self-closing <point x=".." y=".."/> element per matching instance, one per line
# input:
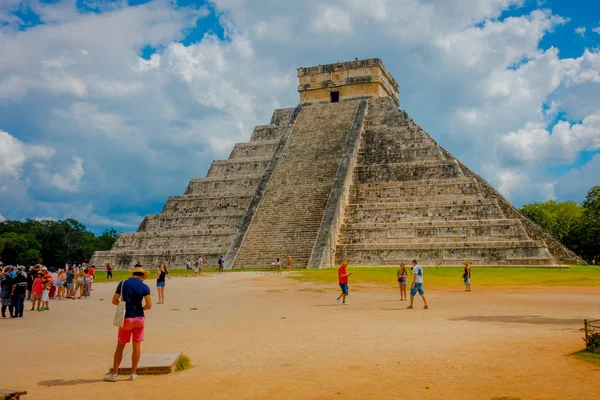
<point x="520" y="319"/>
<point x="62" y="382"/>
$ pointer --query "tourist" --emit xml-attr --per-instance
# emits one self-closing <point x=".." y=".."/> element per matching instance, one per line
<point x="417" y="285"/>
<point x="109" y="269"/>
<point x="46" y="286"/>
<point x="402" y="278"/>
<point x="343" y="275"/>
<point x="161" y="274"/>
<point x="87" y="285"/>
<point x="136" y="295"/>
<point x="6" y="290"/>
<point x="54" y="279"/>
<point x="288" y="260"/>
<point x="70" y="283"/>
<point x="36" y="291"/>
<point x="188" y="266"/>
<point x="138" y="264"/>
<point x="80" y="283"/>
<point x="19" y="292"/>
<point x="221" y="263"/>
<point x="197" y="265"/>
<point x="30" y="278"/>
<point x="467" y="276"/>
<point x="92" y="275"/>
<point x="60" y="283"/>
<point x="167" y="269"/>
<point x="278" y="265"/>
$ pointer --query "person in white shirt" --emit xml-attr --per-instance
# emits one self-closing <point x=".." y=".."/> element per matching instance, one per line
<point x="417" y="285"/>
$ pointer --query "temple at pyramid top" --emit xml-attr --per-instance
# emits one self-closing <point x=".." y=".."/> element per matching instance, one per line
<point x="356" y="79"/>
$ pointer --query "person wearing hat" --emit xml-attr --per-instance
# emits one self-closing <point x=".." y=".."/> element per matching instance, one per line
<point x="19" y="291"/>
<point x="136" y="295"/>
<point x="343" y="281"/>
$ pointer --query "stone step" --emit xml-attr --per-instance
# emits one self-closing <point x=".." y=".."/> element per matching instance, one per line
<point x="492" y="253"/>
<point x="431" y="210"/>
<point x="430" y="154"/>
<point x="126" y="259"/>
<point x="434" y="231"/>
<point x="156" y="222"/>
<point x="407" y="171"/>
<point x="238" y="167"/>
<point x="282" y="116"/>
<point x="230" y="185"/>
<point x="195" y="204"/>
<point x="211" y="238"/>
<point x="399" y="191"/>
<point x="251" y="149"/>
<point x="266" y="132"/>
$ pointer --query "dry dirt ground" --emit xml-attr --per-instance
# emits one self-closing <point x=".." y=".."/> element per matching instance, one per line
<point x="262" y="336"/>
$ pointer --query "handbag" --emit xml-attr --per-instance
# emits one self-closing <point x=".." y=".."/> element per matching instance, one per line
<point x="120" y="312"/>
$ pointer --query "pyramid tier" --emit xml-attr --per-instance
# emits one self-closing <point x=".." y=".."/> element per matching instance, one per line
<point x="433" y="231"/>
<point x="190" y="238"/>
<point x="201" y="203"/>
<point x="238" y="167"/>
<point x="491" y="253"/>
<point x="253" y="149"/>
<point x="425" y="210"/>
<point x="151" y="259"/>
<point x="409" y="171"/>
<point x="223" y="186"/>
<point x="430" y="189"/>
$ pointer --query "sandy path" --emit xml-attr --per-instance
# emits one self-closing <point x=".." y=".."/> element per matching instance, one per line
<point x="259" y="336"/>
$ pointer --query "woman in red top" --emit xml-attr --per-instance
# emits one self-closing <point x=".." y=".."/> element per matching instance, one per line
<point x="92" y="275"/>
<point x="36" y="291"/>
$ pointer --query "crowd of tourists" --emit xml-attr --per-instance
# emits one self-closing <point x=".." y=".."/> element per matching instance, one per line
<point x="39" y="284"/>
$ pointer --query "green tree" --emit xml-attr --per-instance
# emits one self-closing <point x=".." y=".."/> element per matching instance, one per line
<point x="19" y="248"/>
<point x="590" y="226"/>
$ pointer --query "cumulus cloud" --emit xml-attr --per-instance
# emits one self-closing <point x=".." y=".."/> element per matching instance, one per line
<point x="69" y="179"/>
<point x="479" y="83"/>
<point x="597" y="30"/>
<point x="2" y="219"/>
<point x="581" y="31"/>
<point x="14" y="154"/>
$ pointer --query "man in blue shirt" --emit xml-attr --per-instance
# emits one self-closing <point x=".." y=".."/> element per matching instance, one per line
<point x="417" y="285"/>
<point x="136" y="295"/>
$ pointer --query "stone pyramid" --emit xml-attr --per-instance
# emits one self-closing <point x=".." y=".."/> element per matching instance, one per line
<point x="344" y="175"/>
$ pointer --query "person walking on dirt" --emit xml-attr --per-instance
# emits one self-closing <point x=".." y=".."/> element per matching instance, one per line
<point x="402" y="281"/>
<point x="161" y="274"/>
<point x="109" y="269"/>
<point x="417" y="285"/>
<point x="221" y="262"/>
<point x="136" y="295"/>
<point x="467" y="276"/>
<point x="343" y="275"/>
<point x="288" y="261"/>
<point x="278" y="265"/>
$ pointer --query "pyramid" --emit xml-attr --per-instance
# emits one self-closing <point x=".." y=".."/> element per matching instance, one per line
<point x="343" y="175"/>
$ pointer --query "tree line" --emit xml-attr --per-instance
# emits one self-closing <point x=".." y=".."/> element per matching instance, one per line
<point x="577" y="226"/>
<point x="53" y="243"/>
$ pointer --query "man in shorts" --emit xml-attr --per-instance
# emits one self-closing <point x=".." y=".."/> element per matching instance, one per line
<point x="136" y="295"/>
<point x="221" y="261"/>
<point x="343" y="281"/>
<point x="417" y="285"/>
<point x="70" y="283"/>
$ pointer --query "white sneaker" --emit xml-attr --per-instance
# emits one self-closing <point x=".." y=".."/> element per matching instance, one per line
<point x="345" y="304"/>
<point x="338" y="301"/>
<point x="133" y="377"/>
<point x="111" y="378"/>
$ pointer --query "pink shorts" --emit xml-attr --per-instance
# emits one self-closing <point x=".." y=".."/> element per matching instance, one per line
<point x="132" y="327"/>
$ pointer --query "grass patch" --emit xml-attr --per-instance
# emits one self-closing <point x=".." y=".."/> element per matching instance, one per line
<point x="175" y="309"/>
<point x="193" y="309"/>
<point x="183" y="363"/>
<point x="451" y="276"/>
<point x="588" y="356"/>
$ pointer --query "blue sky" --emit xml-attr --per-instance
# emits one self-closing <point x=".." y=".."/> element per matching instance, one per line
<point x="109" y="107"/>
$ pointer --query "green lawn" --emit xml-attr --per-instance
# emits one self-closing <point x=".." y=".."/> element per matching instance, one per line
<point x="588" y="356"/>
<point x="449" y="276"/>
<point x="446" y="276"/>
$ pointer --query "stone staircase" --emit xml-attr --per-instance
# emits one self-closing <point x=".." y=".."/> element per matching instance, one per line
<point x="207" y="216"/>
<point x="290" y="214"/>
<point x="409" y="199"/>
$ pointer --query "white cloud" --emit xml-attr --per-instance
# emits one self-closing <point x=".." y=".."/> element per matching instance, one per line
<point x="477" y="82"/>
<point x="581" y="31"/>
<point x="70" y="179"/>
<point x="14" y="153"/>
<point x="597" y="30"/>
<point x="2" y="219"/>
